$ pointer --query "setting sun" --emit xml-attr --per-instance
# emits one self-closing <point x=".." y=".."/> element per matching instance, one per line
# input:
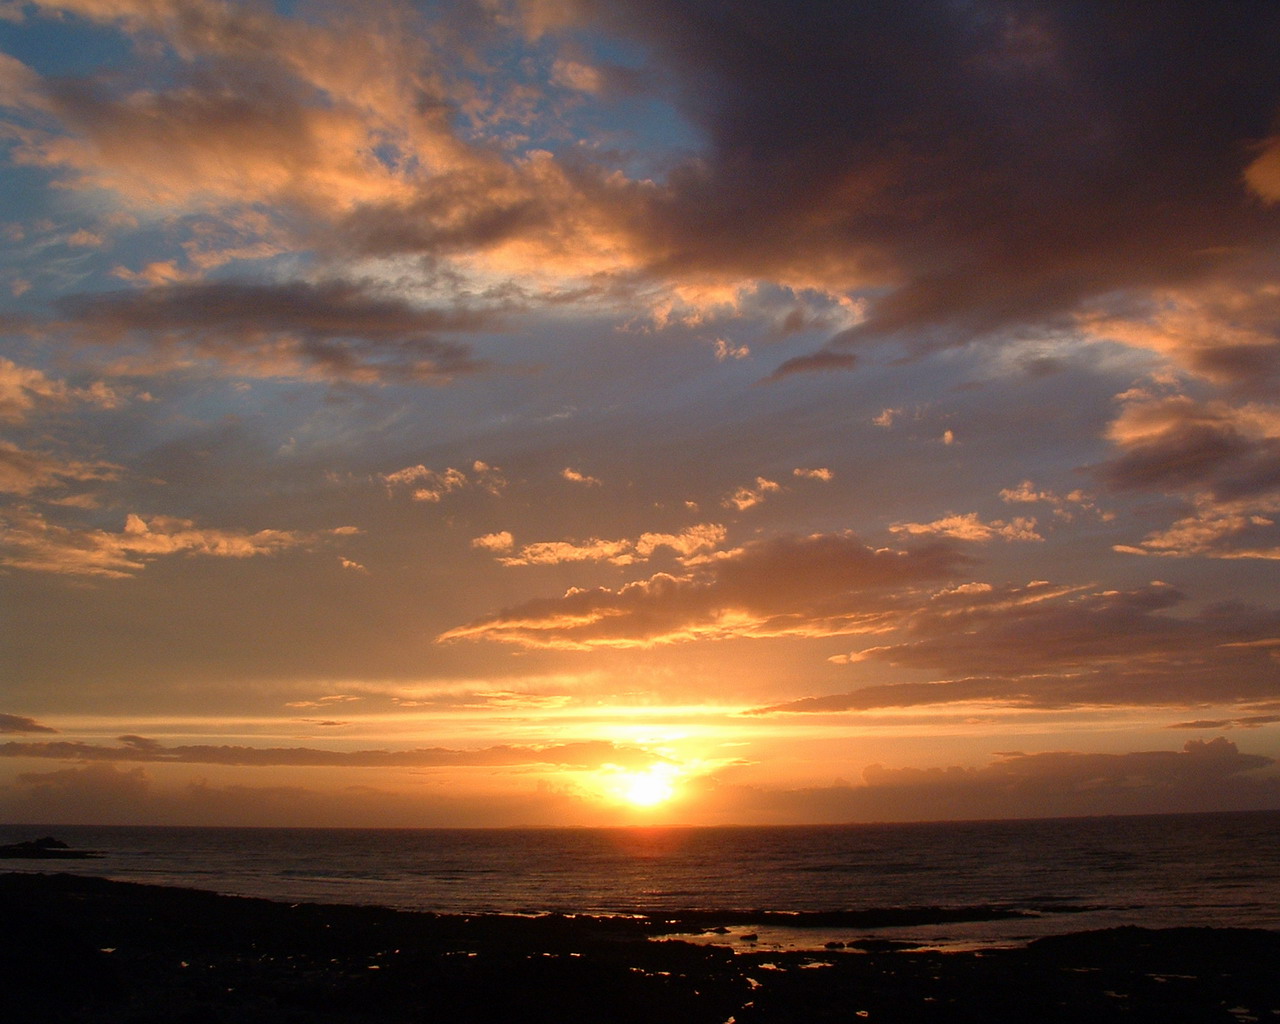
<point x="647" y="788"/>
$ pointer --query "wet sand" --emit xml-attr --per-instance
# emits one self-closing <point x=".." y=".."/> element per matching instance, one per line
<point x="88" y="950"/>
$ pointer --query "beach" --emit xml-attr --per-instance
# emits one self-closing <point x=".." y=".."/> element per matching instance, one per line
<point x="85" y="949"/>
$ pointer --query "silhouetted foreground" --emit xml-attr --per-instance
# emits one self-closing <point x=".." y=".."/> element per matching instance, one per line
<point x="47" y="848"/>
<point x="84" y="950"/>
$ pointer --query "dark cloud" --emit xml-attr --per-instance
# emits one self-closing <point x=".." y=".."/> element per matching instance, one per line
<point x="1204" y="775"/>
<point x="335" y="329"/>
<point x="1034" y="647"/>
<point x="1248" y="722"/>
<point x="1190" y="455"/>
<point x="107" y="795"/>
<point x="814" y="362"/>
<point x="986" y="164"/>
<point x="819" y="585"/>
<point x="139" y="749"/>
<point x="20" y="723"/>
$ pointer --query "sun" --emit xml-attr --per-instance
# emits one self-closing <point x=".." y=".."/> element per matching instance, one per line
<point x="644" y="789"/>
<point x="647" y="788"/>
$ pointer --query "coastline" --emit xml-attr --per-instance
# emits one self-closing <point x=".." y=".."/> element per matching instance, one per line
<point x="96" y="951"/>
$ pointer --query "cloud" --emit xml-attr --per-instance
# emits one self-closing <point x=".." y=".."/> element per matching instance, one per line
<point x="816" y="362"/>
<point x="1043" y="645"/>
<point x="1057" y="782"/>
<point x="1222" y="331"/>
<point x="726" y="350"/>
<point x="1247" y="722"/>
<point x="573" y="476"/>
<point x="1222" y="459"/>
<point x="350" y="133"/>
<point x="927" y="178"/>
<point x="969" y="527"/>
<point x="1064" y="506"/>
<point x="1240" y="529"/>
<point x="431" y="485"/>
<point x="24" y="390"/>
<point x="332" y="330"/>
<point x="23" y="472"/>
<point x="33" y="543"/>
<point x="750" y="495"/>
<point x="818" y="473"/>
<point x="141" y="750"/>
<point x="20" y="723"/>
<point x="1202" y="776"/>
<point x="1177" y="444"/>
<point x="696" y="540"/>
<point x="817" y="585"/>
<point x="494" y="541"/>
<point x="816" y="161"/>
<point x="105" y="794"/>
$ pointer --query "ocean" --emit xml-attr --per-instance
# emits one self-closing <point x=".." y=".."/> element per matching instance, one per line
<point x="1062" y="875"/>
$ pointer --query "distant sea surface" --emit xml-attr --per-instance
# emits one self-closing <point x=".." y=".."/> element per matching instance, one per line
<point x="1065" y="874"/>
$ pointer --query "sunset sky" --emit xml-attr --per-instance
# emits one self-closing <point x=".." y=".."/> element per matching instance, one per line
<point x="575" y="412"/>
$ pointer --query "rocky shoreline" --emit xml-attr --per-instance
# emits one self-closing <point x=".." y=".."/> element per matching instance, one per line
<point x="92" y="951"/>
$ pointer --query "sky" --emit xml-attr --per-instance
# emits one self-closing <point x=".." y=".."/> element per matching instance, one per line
<point x="595" y="412"/>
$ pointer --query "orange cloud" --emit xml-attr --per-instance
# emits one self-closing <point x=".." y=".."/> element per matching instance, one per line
<point x="22" y="472"/>
<point x="1043" y="645"/>
<point x="24" y="390"/>
<point x="430" y="485"/>
<point x="820" y="585"/>
<point x="970" y="527"/>
<point x="748" y="496"/>
<point x="32" y="543"/>
<point x="695" y="540"/>
<point x="141" y="750"/>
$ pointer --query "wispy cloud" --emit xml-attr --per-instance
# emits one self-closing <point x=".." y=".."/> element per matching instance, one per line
<point x="819" y="585"/>
<point x="33" y="543"/>
<point x="141" y="750"/>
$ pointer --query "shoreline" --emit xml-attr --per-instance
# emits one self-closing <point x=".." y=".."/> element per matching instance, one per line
<point x="105" y="952"/>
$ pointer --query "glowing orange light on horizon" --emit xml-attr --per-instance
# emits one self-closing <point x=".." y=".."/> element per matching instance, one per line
<point x="648" y="788"/>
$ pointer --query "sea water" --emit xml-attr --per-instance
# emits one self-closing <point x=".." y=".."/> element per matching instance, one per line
<point x="1064" y="874"/>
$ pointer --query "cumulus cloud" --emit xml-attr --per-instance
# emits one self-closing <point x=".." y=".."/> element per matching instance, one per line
<point x="750" y="495"/>
<point x="928" y="177"/>
<point x="694" y="541"/>
<point x="431" y="485"/>
<point x="818" y="163"/>
<point x="23" y="390"/>
<point x="1064" y="506"/>
<point x="726" y="350"/>
<point x="574" y="476"/>
<point x="502" y="541"/>
<point x="33" y="543"/>
<point x="350" y="132"/>
<point x="970" y="527"/>
<point x="817" y="585"/>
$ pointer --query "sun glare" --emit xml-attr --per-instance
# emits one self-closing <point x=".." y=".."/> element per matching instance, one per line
<point x="648" y="788"/>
